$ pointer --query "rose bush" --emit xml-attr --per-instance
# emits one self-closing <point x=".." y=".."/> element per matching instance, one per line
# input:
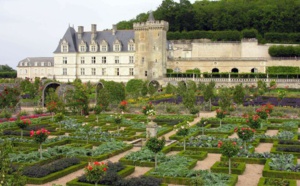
<point x="95" y="171"/>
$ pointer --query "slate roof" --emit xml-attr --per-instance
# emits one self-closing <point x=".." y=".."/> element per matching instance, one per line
<point x="71" y="37"/>
<point x="31" y="61"/>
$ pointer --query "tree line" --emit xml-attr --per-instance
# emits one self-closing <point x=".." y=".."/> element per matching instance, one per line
<point x="280" y="16"/>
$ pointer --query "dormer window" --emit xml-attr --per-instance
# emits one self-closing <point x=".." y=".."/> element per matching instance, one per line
<point x="131" y="45"/>
<point x="49" y="64"/>
<point x="82" y="46"/>
<point x="93" y="46"/>
<point x="117" y="46"/>
<point x="35" y="64"/>
<point x="64" y="46"/>
<point x="104" y="46"/>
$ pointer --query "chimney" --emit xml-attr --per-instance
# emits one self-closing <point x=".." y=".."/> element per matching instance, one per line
<point x="114" y="29"/>
<point x="80" y="32"/>
<point x="94" y="31"/>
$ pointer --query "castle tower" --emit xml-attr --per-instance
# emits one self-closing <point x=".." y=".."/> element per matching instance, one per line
<point x="151" y="49"/>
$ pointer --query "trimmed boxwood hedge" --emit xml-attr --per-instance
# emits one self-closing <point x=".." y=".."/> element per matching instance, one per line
<point x="201" y="155"/>
<point x="123" y="173"/>
<point x="56" y="175"/>
<point x="260" y="161"/>
<point x="267" y="172"/>
<point x="239" y="170"/>
<point x="262" y="181"/>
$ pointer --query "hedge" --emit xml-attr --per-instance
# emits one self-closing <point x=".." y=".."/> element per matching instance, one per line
<point x="8" y="74"/>
<point x="267" y="172"/>
<point x="284" y="51"/>
<point x="262" y="181"/>
<point x="239" y="170"/>
<point x="246" y="160"/>
<point x="56" y="175"/>
<point x="200" y="156"/>
<point x="123" y="173"/>
<point x="229" y="35"/>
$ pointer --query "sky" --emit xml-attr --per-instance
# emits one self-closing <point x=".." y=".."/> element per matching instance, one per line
<point x="33" y="28"/>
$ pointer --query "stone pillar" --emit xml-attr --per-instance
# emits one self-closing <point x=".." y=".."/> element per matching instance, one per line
<point x="151" y="129"/>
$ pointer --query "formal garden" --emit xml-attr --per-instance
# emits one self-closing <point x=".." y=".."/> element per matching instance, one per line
<point x="141" y="134"/>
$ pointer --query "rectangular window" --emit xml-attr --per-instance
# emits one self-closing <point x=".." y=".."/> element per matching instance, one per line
<point x="64" y="71"/>
<point x="93" y="71"/>
<point x="131" y="47"/>
<point x="117" y="60"/>
<point x="93" y="60"/>
<point x="93" y="48"/>
<point x="131" y="71"/>
<point x="103" y="48"/>
<point x="143" y="59"/>
<point x="146" y="73"/>
<point x="42" y="71"/>
<point x="65" y="48"/>
<point x="42" y="64"/>
<point x="131" y="59"/>
<point x="82" y="48"/>
<point x="82" y="60"/>
<point x="103" y="71"/>
<point x="65" y="60"/>
<point x="104" y="60"/>
<point x="117" y="71"/>
<point x="35" y="63"/>
<point x="82" y="71"/>
<point x="117" y="48"/>
<point x="49" y="64"/>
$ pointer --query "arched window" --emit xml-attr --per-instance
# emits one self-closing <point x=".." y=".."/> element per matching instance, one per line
<point x="254" y="70"/>
<point x="215" y="70"/>
<point x="235" y="70"/>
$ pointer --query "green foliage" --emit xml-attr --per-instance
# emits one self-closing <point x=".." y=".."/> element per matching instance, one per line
<point x="170" y="89"/>
<point x="8" y="176"/>
<point x="284" y="51"/>
<point x="8" y="74"/>
<point x="249" y="33"/>
<point x="115" y="90"/>
<point x="238" y="94"/>
<point x="134" y="88"/>
<point x="9" y="97"/>
<point x="155" y="145"/>
<point x="228" y="148"/>
<point x="225" y="98"/>
<point x="146" y="155"/>
<point x="283" y="70"/>
<point x="103" y="98"/>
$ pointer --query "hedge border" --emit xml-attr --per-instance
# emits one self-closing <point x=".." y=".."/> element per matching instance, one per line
<point x="263" y="179"/>
<point x="267" y="172"/>
<point x="123" y="173"/>
<point x="56" y="175"/>
<point x="239" y="170"/>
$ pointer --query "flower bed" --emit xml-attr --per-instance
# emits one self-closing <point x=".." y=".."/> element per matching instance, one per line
<point x="223" y="167"/>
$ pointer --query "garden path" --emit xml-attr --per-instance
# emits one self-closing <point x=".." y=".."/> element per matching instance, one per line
<point x="251" y="176"/>
<point x="196" y="120"/>
<point x="271" y="132"/>
<point x="264" y="147"/>
<point x="207" y="162"/>
<point x="139" y="170"/>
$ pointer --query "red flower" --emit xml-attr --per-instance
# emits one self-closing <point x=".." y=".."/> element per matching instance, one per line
<point x="96" y="163"/>
<point x="31" y="133"/>
<point x="104" y="169"/>
<point x="89" y="167"/>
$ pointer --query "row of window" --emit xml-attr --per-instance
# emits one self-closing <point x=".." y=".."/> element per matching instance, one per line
<point x="94" y="47"/>
<point x="36" y="71"/>
<point x="103" y="71"/>
<point x="103" y="60"/>
<point x="36" y="64"/>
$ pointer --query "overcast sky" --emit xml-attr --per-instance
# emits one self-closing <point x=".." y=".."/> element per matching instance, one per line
<point x="33" y="28"/>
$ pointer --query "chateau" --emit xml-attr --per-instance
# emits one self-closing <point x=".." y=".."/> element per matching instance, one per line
<point x="144" y="53"/>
